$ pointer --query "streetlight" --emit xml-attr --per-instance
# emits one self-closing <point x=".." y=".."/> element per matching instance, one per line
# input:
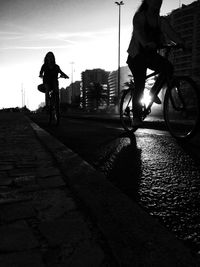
<point x="119" y="5"/>
<point x="72" y="70"/>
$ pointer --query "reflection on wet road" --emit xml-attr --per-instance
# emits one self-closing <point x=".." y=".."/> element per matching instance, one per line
<point x="150" y="167"/>
<point x="156" y="171"/>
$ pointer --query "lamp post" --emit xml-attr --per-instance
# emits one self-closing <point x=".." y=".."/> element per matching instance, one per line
<point x="118" y="91"/>
<point x="72" y="70"/>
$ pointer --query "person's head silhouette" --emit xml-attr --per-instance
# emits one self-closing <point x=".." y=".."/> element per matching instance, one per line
<point x="49" y="58"/>
<point x="150" y="4"/>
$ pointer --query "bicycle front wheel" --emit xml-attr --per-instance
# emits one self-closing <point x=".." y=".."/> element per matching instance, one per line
<point x="181" y="108"/>
<point x="126" y="111"/>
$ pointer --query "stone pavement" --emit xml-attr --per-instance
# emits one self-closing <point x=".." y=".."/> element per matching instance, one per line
<point x="40" y="222"/>
<point x="56" y="210"/>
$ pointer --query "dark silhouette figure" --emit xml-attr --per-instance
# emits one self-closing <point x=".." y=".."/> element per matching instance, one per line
<point x="150" y="32"/>
<point x="49" y="72"/>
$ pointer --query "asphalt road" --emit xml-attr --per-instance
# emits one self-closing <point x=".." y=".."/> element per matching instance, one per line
<point x="150" y="167"/>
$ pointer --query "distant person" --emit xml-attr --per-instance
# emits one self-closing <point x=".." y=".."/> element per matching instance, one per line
<point x="49" y="72"/>
<point x="150" y="31"/>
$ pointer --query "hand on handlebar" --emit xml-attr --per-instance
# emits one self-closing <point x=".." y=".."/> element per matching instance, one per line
<point x="64" y="76"/>
<point x="182" y="45"/>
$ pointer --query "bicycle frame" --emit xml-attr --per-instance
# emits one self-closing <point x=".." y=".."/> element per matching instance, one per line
<point x="158" y="87"/>
<point x="53" y="107"/>
<point x="162" y="80"/>
<point x="54" y="104"/>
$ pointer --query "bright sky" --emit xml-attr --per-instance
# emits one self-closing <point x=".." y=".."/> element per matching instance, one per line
<point x="81" y="31"/>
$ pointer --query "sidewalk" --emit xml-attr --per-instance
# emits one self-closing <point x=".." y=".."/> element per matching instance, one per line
<point x="56" y="210"/>
<point x="41" y="222"/>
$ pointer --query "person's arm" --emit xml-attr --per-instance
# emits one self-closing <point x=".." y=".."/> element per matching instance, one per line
<point x="62" y="73"/>
<point x="139" y="30"/>
<point x="170" y="32"/>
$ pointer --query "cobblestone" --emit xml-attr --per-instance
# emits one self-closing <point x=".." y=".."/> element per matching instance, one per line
<point x="22" y="259"/>
<point x="17" y="237"/>
<point x="37" y="209"/>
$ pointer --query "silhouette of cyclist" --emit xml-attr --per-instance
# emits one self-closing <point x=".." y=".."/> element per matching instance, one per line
<point x="150" y="31"/>
<point x="49" y="72"/>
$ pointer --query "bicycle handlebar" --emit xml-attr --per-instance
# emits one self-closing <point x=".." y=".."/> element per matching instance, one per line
<point x="173" y="45"/>
<point x="61" y="76"/>
<point x="65" y="77"/>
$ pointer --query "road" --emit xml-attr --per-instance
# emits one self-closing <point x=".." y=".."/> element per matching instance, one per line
<point x="150" y="167"/>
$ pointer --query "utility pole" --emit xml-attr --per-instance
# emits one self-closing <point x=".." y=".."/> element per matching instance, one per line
<point x="72" y="63"/>
<point x="119" y="4"/>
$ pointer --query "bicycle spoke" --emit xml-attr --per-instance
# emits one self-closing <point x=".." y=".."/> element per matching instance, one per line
<point x="126" y="111"/>
<point x="181" y="108"/>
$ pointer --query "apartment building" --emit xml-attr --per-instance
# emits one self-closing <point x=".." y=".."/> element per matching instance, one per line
<point x="113" y="83"/>
<point x="89" y="77"/>
<point x="186" y="21"/>
<point x="71" y="95"/>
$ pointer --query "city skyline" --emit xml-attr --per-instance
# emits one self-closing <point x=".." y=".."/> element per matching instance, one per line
<point x="83" y="32"/>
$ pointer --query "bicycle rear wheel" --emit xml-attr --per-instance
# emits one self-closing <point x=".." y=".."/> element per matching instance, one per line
<point x="181" y="108"/>
<point x="126" y="111"/>
<point x="55" y="116"/>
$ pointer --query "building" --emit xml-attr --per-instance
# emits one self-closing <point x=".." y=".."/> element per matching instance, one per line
<point x="186" y="21"/>
<point x="113" y="84"/>
<point x="75" y="89"/>
<point x="72" y="94"/>
<point x="89" y="78"/>
<point x="63" y="96"/>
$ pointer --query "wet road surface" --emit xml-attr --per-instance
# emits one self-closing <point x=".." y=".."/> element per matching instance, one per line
<point x="150" y="167"/>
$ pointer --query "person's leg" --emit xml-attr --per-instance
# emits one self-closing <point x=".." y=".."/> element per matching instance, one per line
<point x="57" y="99"/>
<point x="161" y="65"/>
<point x="138" y="68"/>
<point x="47" y="101"/>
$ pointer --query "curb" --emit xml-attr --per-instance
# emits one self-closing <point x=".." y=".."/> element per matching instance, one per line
<point x="134" y="237"/>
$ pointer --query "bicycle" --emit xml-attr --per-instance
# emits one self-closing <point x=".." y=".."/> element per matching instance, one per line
<point x="54" y="106"/>
<point x="181" y="106"/>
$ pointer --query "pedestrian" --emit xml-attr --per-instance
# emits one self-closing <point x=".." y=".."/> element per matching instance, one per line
<point x="49" y="72"/>
<point x="150" y="31"/>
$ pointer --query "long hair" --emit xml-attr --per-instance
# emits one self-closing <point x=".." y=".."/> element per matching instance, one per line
<point x="51" y="55"/>
<point x="144" y="6"/>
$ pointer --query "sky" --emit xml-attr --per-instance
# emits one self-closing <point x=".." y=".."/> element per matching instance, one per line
<point x="83" y="34"/>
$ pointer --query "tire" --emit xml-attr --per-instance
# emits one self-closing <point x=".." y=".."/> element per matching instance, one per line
<point x="54" y="113"/>
<point x="181" y="108"/>
<point x="55" y="116"/>
<point x="126" y="114"/>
